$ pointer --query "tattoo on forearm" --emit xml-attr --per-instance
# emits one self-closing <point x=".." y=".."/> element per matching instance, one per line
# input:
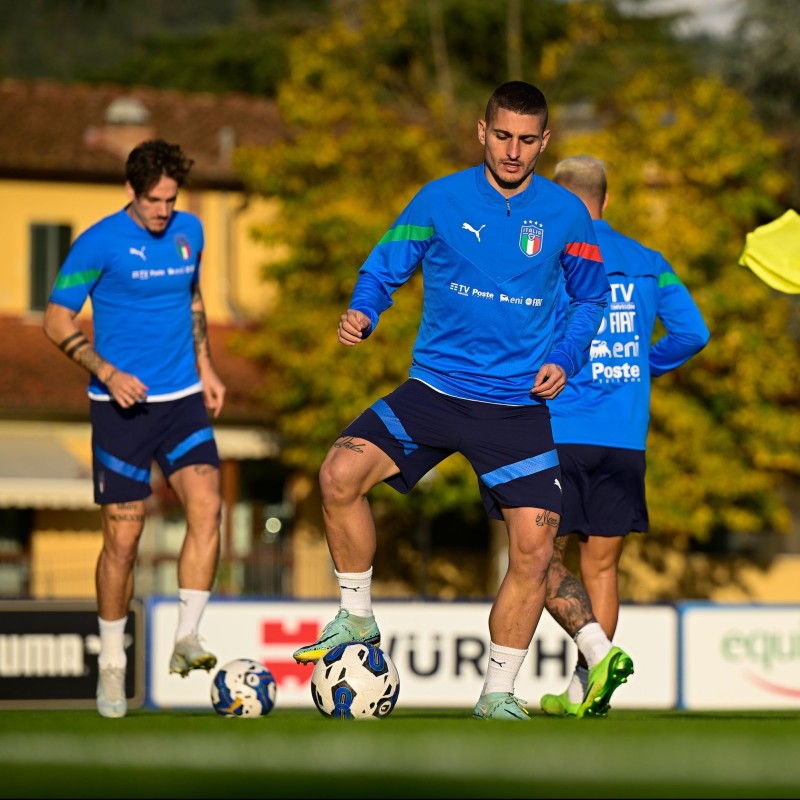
<point x="80" y="350"/>
<point x="73" y="343"/>
<point x="199" y="325"/>
<point x="347" y="443"/>
<point x="548" y="518"/>
<point x="90" y="360"/>
<point x="200" y="333"/>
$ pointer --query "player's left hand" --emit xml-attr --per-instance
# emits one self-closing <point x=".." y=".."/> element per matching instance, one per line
<point x="550" y="380"/>
<point x="213" y="391"/>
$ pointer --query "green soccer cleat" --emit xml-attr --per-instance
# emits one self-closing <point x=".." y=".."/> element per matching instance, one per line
<point x="559" y="705"/>
<point x="345" y="628"/>
<point x="604" y="678"/>
<point x="502" y="706"/>
<point x="111" y="700"/>
<point x="190" y="654"/>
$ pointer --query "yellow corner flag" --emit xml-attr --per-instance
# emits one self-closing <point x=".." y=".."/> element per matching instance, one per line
<point x="772" y="252"/>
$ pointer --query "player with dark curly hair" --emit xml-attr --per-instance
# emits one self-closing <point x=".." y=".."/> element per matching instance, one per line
<point x="151" y="389"/>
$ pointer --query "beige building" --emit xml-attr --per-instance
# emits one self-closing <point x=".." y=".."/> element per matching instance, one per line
<point x="62" y="155"/>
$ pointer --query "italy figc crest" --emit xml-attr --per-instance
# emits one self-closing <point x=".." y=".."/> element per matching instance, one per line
<point x="182" y="244"/>
<point x="531" y="236"/>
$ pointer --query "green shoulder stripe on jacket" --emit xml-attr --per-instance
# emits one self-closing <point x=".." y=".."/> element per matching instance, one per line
<point x="77" y="278"/>
<point x="669" y="279"/>
<point x="409" y="233"/>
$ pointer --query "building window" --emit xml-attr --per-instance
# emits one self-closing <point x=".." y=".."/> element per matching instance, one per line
<point x="49" y="247"/>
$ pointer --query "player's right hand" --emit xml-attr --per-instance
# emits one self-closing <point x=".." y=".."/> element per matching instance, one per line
<point x="126" y="389"/>
<point x="352" y="327"/>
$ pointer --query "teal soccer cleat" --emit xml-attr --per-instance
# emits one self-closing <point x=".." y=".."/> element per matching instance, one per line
<point x="502" y="706"/>
<point x="343" y="629"/>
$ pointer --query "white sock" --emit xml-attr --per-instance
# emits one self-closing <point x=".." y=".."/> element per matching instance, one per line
<point x="112" y="643"/>
<point x="190" y="608"/>
<point x="504" y="664"/>
<point x="356" y="592"/>
<point x="577" y="685"/>
<point x="593" y="643"/>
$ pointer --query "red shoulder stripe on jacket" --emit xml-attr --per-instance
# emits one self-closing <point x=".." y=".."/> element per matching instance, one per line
<point x="591" y="252"/>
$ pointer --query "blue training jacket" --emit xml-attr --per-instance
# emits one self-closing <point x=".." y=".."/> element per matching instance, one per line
<point x="608" y="402"/>
<point x="492" y="269"/>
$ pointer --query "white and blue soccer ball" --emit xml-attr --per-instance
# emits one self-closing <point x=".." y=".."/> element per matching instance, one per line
<point x="243" y="688"/>
<point x="355" y="681"/>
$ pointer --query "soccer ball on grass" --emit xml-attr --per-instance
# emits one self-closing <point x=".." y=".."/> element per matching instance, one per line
<point x="243" y="688"/>
<point x="355" y="681"/>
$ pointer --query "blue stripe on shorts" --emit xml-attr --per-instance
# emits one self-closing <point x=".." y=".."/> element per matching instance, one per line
<point x="395" y="427"/>
<point x="528" y="466"/>
<point x="122" y="467"/>
<point x="198" y="437"/>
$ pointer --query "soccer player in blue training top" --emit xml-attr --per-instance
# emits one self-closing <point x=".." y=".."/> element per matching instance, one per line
<point x="600" y="424"/>
<point x="151" y="388"/>
<point x="495" y="243"/>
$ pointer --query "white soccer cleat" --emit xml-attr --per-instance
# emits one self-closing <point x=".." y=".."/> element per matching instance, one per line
<point x="111" y="700"/>
<point x="190" y="654"/>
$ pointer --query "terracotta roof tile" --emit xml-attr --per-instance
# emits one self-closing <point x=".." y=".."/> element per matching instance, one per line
<point x="50" y="128"/>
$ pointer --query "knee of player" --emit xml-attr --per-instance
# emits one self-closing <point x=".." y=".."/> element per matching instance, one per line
<point x="336" y="484"/>
<point x="120" y="549"/>
<point x="204" y="506"/>
<point x="531" y="559"/>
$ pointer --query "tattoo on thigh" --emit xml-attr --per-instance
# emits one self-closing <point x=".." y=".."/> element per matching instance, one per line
<point x="347" y="443"/>
<point x="126" y="512"/>
<point x="548" y="518"/>
<point x="203" y="469"/>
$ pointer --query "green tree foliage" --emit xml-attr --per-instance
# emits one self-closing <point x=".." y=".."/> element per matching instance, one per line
<point x="764" y="61"/>
<point x="355" y="154"/>
<point x="240" y="45"/>
<point x="357" y="151"/>
<point x="73" y="39"/>
<point x="691" y="172"/>
<point x="247" y="54"/>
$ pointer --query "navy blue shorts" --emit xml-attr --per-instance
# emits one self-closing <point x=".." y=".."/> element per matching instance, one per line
<point x="510" y="448"/>
<point x="125" y="441"/>
<point x="604" y="492"/>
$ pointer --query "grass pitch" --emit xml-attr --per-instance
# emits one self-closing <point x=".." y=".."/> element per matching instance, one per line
<point x="297" y="753"/>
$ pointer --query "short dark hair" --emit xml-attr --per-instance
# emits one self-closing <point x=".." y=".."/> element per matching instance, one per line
<point x="151" y="160"/>
<point x="519" y="97"/>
